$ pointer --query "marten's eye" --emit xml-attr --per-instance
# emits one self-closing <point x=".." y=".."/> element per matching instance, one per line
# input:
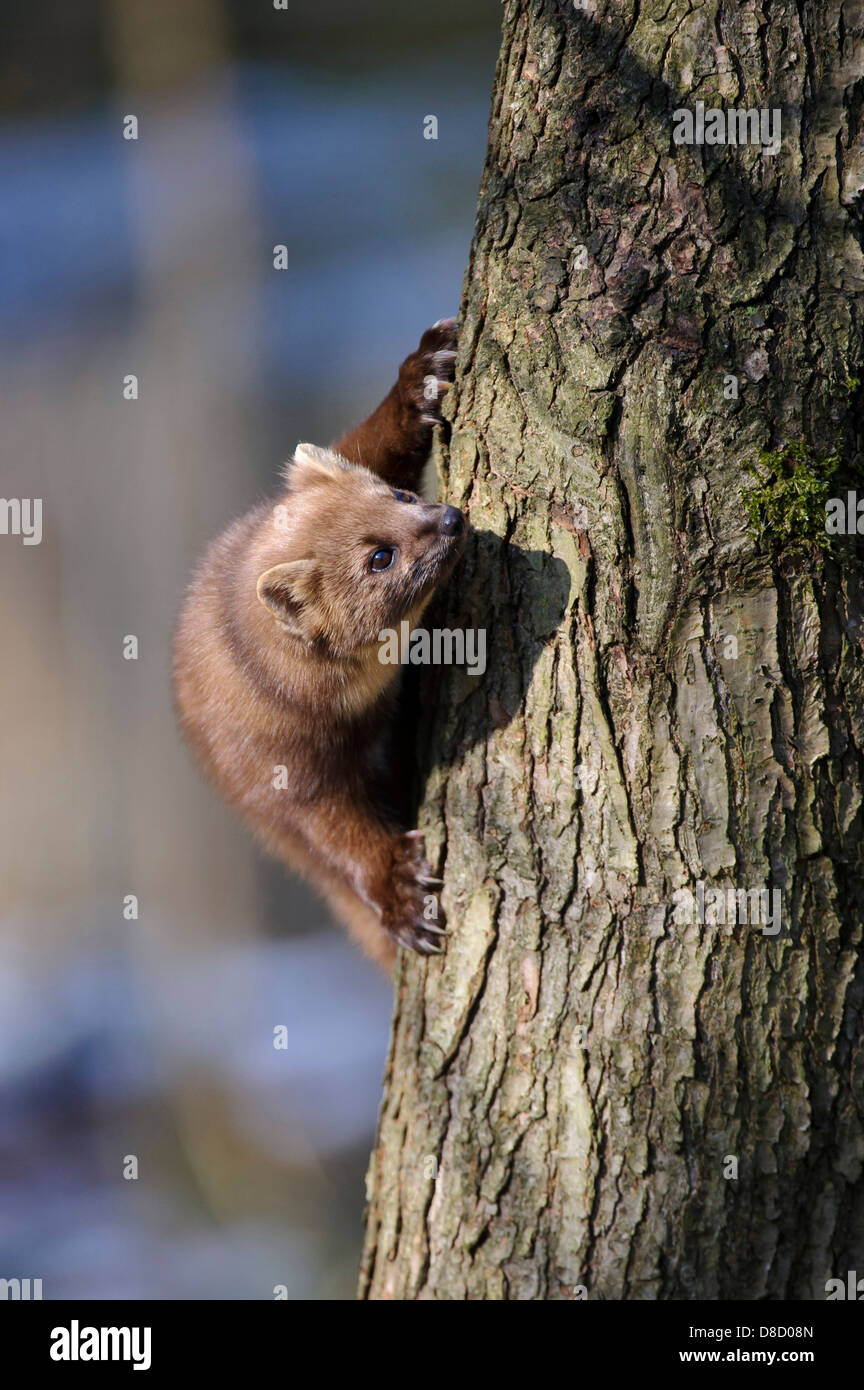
<point x="382" y="559"/>
<point x="403" y="496"/>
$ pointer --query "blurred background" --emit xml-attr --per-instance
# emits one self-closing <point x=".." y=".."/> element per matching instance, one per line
<point x="152" y="1037"/>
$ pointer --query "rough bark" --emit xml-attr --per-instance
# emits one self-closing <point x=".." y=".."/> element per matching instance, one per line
<point x="567" y="1086"/>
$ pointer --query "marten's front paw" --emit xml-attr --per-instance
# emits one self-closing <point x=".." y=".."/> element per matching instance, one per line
<point x="425" y="376"/>
<point x="412" y="914"/>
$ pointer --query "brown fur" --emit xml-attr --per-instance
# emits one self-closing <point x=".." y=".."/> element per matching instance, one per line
<point x="276" y="659"/>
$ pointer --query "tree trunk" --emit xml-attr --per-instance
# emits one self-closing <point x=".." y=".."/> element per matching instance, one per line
<point x="617" y="1083"/>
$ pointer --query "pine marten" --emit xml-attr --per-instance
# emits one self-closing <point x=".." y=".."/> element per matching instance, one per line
<point x="279" y="687"/>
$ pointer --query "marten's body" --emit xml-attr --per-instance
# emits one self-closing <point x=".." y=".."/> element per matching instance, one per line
<point x="278" y="681"/>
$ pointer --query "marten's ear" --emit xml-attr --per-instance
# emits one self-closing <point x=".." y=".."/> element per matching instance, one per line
<point x="286" y="590"/>
<point x="313" y="465"/>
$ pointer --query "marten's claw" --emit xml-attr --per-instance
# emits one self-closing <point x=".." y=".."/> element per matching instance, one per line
<point x="418" y="938"/>
<point x="433" y="927"/>
<point x="426" y="938"/>
<point x="424" y="947"/>
<point x="407" y="899"/>
<point x="425" y="376"/>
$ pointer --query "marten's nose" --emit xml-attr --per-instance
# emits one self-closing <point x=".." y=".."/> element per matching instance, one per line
<point x="452" y="522"/>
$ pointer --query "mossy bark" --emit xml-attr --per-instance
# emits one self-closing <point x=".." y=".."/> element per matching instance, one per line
<point x="667" y="701"/>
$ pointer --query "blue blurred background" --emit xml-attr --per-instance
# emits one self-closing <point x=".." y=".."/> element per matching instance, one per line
<point x="153" y="1038"/>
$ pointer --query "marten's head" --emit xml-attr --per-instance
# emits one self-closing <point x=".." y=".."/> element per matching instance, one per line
<point x="355" y="555"/>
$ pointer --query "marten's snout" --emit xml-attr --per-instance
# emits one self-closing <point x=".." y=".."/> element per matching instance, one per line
<point x="452" y="522"/>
